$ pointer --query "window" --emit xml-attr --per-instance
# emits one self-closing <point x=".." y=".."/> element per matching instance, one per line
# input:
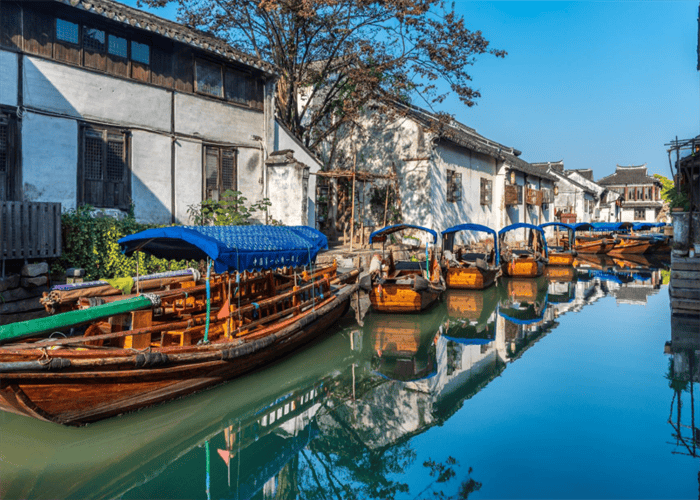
<point x="219" y="171"/>
<point x="520" y="190"/>
<point x="639" y="214"/>
<point x="486" y="191"/>
<point x="104" y="177"/>
<point x="237" y="86"/>
<point x="208" y="78"/>
<point x="8" y="154"/>
<point x="454" y="186"/>
<point x="93" y="39"/>
<point x="117" y="46"/>
<point x="66" y="31"/>
<point x="140" y="52"/>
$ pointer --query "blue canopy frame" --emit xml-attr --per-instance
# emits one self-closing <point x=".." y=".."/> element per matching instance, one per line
<point x="568" y="227"/>
<point x="400" y="227"/>
<point x="476" y="227"/>
<point x="612" y="226"/>
<point x="239" y="248"/>
<point x="519" y="225"/>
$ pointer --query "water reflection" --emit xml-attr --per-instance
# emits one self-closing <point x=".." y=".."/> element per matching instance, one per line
<point x="340" y="419"/>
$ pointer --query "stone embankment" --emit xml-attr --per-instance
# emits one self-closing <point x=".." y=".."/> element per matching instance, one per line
<point x="685" y="285"/>
<point x="20" y="293"/>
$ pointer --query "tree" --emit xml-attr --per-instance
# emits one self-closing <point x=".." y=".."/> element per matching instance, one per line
<point x="336" y="56"/>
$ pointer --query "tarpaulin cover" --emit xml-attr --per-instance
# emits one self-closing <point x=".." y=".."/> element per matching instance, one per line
<point x="400" y="227"/>
<point x="558" y="224"/>
<point x="240" y="248"/>
<point x="611" y="226"/>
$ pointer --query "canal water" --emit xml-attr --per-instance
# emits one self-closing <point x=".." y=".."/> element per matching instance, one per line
<point x="574" y="385"/>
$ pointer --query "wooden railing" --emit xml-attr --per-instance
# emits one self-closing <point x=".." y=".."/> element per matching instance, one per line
<point x="30" y="230"/>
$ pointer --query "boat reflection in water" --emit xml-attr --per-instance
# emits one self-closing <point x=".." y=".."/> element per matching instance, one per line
<point x="336" y="421"/>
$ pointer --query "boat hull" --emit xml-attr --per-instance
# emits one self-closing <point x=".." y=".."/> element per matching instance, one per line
<point x="470" y="278"/>
<point x="632" y="246"/>
<point x="594" y="246"/>
<point x="402" y="298"/>
<point x="561" y="259"/>
<point x="75" y="396"/>
<point x="523" y="268"/>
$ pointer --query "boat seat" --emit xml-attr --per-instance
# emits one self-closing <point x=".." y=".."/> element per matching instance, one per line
<point x="521" y="252"/>
<point x="471" y="257"/>
<point x="410" y="266"/>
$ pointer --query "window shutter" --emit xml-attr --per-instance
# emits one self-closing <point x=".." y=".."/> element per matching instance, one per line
<point x="228" y="170"/>
<point x="105" y="174"/>
<point x="211" y="173"/>
<point x="4" y="155"/>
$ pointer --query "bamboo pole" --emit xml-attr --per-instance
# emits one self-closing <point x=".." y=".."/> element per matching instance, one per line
<point x="352" y="210"/>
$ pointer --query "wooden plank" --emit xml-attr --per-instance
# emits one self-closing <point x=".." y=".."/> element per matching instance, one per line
<point x="66" y="52"/>
<point x="17" y="224"/>
<point x="680" y="283"/>
<point x="685" y="275"/>
<point x="38" y="32"/>
<point x="20" y="306"/>
<point x="511" y="195"/>
<point x="692" y="305"/>
<point x="683" y="293"/>
<point x="685" y="264"/>
<point x="11" y="26"/>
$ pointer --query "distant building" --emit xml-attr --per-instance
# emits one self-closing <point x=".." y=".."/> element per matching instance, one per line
<point x="578" y="197"/>
<point x="640" y="194"/>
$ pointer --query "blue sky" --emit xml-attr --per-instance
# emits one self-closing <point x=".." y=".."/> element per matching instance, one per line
<point x="594" y="83"/>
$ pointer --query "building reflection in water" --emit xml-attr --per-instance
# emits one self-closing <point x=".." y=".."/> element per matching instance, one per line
<point x="338" y="420"/>
<point x="683" y="374"/>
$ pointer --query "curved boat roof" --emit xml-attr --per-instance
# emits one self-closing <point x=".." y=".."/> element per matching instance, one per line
<point x="518" y="225"/>
<point x="611" y="226"/>
<point x="240" y="248"/>
<point x="557" y="224"/>
<point x="469" y="227"/>
<point x="400" y="227"/>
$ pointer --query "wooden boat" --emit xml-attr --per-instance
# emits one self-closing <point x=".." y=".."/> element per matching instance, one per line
<point x="136" y="352"/>
<point x="561" y="252"/>
<point x="404" y="346"/>
<point x="405" y="285"/>
<point x="589" y="243"/>
<point x="476" y="267"/>
<point x="471" y="316"/>
<point x="523" y="259"/>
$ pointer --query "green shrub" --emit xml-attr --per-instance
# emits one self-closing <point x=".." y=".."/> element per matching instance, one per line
<point x="90" y="243"/>
<point x="230" y="210"/>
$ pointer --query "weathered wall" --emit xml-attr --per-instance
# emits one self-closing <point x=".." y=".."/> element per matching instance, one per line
<point x="287" y="180"/>
<point x="217" y="121"/>
<point x="188" y="178"/>
<point x="250" y="174"/>
<point x="82" y="94"/>
<point x="8" y="78"/>
<point x="151" y="178"/>
<point x="285" y="140"/>
<point x="50" y="166"/>
<point x="473" y="167"/>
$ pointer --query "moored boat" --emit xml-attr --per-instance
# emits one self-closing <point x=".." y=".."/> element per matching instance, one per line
<point x="524" y="258"/>
<point x="403" y="285"/>
<point x="475" y="267"/>
<point x="591" y="243"/>
<point x="560" y="250"/>
<point x="133" y="353"/>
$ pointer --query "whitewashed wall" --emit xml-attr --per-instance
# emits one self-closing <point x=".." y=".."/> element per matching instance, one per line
<point x="151" y="177"/>
<point x="473" y="167"/>
<point x="82" y="94"/>
<point x="188" y="178"/>
<point x="285" y="140"/>
<point x="8" y="78"/>
<point x="50" y="166"/>
<point x="217" y="121"/>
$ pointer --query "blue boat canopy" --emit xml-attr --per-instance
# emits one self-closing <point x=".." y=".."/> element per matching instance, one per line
<point x="239" y="248"/>
<point x="611" y="226"/>
<point x="582" y="226"/>
<point x="469" y="227"/>
<point x="644" y="226"/>
<point x="558" y="224"/>
<point x="399" y="227"/>
<point x="519" y="225"/>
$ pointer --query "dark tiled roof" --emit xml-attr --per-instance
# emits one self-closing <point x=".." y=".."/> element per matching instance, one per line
<point x="628" y="175"/>
<point x="467" y="137"/>
<point x="139" y="19"/>
<point x="586" y="173"/>
<point x="642" y="204"/>
<point x="555" y="165"/>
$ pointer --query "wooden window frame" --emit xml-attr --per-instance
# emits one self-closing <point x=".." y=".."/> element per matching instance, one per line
<point x="486" y="192"/>
<point x="203" y="61"/>
<point x="121" y="202"/>
<point x="9" y="171"/>
<point x="643" y="212"/>
<point x="221" y="188"/>
<point x="453" y="186"/>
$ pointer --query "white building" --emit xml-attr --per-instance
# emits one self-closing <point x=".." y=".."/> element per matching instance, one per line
<point x="106" y="105"/>
<point x="640" y="193"/>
